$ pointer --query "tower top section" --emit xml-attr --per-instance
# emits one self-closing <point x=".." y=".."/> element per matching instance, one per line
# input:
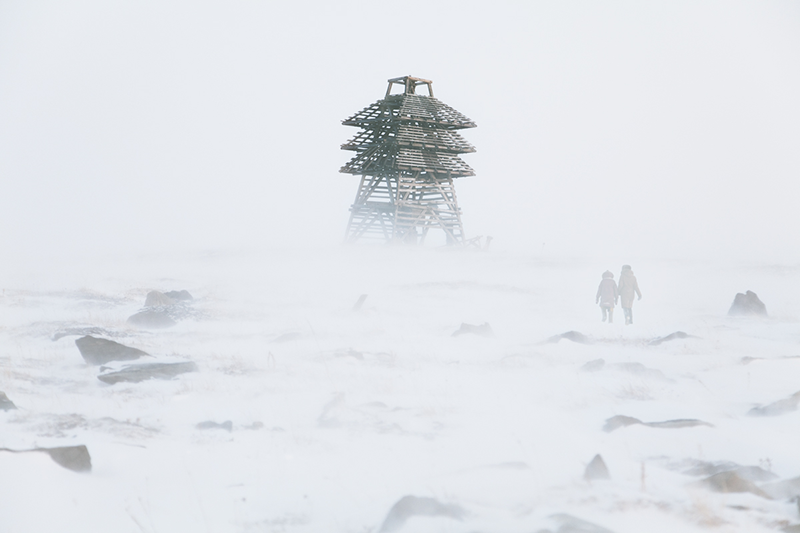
<point x="409" y="84"/>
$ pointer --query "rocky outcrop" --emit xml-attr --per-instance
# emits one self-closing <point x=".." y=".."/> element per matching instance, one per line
<point x="747" y="304"/>
<point x="102" y="351"/>
<point x="620" y="421"/>
<point x="152" y="318"/>
<point x="781" y="407"/>
<point x="137" y="373"/>
<point x="75" y="458"/>
<point x="596" y="469"/>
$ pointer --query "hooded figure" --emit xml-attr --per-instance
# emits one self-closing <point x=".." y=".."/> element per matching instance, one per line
<point x="607" y="296"/>
<point x="628" y="286"/>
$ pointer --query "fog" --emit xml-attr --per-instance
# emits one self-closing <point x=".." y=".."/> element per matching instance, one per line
<point x="166" y="146"/>
<point x="666" y="129"/>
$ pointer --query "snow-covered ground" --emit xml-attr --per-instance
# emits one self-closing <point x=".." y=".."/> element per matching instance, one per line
<point x="338" y="414"/>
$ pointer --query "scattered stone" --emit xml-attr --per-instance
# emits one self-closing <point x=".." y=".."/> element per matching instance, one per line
<point x="593" y="366"/>
<point x="75" y="458"/>
<point x="747" y="304"/>
<point x="596" y="469"/>
<point x="154" y="318"/>
<point x="359" y="302"/>
<point x="137" y="373"/>
<point x="484" y="330"/>
<point x="409" y="506"/>
<point x="731" y="482"/>
<point x="179" y="296"/>
<point x="574" y="336"/>
<point x="619" y="421"/>
<point x="5" y="403"/>
<point x="101" y="351"/>
<point x="783" y="490"/>
<point x="781" y="407"/>
<point x="671" y="337"/>
<point x="209" y="424"/>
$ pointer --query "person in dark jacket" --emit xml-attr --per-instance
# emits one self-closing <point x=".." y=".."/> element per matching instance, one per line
<point x="628" y="286"/>
<point x="607" y="296"/>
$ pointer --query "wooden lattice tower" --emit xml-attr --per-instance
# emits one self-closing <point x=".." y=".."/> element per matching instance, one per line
<point x="407" y="157"/>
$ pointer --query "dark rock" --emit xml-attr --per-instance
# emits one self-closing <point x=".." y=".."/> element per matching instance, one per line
<point x="137" y="373"/>
<point x="619" y="421"/>
<point x="5" y="403"/>
<point x="74" y="458"/>
<point x="483" y="330"/>
<point x="179" y="296"/>
<point x="781" y="407"/>
<point x="409" y="506"/>
<point x="731" y="482"/>
<point x="101" y="351"/>
<point x="596" y="469"/>
<point x="594" y="366"/>
<point x="210" y="424"/>
<point x="155" y="318"/>
<point x="157" y="299"/>
<point x="574" y="336"/>
<point x="671" y="337"/>
<point x="638" y="369"/>
<point x="747" y="304"/>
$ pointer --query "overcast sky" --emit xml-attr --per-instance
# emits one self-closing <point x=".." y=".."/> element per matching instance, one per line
<point x="610" y="128"/>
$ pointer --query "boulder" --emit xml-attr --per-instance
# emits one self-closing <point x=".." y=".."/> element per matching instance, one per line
<point x="179" y="296"/>
<point x="101" y="351"/>
<point x="5" y="403"/>
<point x="596" y="469"/>
<point x="409" y="506"/>
<point x="747" y="304"/>
<point x="153" y="318"/>
<point x="783" y="490"/>
<point x="137" y="373"/>
<point x="157" y="299"/>
<point x="483" y="330"/>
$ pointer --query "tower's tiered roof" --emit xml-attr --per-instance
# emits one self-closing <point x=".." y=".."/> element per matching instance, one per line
<point x="409" y="132"/>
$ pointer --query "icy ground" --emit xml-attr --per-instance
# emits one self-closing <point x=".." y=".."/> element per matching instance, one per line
<point x="338" y="414"/>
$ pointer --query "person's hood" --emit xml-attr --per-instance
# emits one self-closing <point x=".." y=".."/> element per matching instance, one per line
<point x="608" y="275"/>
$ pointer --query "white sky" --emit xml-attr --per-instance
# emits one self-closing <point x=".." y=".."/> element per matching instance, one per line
<point x="605" y="128"/>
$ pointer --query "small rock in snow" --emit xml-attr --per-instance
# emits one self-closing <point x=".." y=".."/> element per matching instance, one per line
<point x="157" y="299"/>
<point x="101" y="351"/>
<point x="5" y="403"/>
<point x="747" y="304"/>
<point x="596" y="469"/>
<point x="409" y="506"/>
<point x="155" y="318"/>
<point x="574" y="336"/>
<point x="179" y="296"/>
<point x="671" y="337"/>
<point x="571" y="524"/>
<point x="619" y="421"/>
<point x="783" y="490"/>
<point x="731" y="482"/>
<point x="137" y="373"/>
<point x="594" y="366"/>
<point x="75" y="458"/>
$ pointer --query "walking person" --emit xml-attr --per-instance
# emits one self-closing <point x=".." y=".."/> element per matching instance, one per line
<point x="607" y="296"/>
<point x="628" y="286"/>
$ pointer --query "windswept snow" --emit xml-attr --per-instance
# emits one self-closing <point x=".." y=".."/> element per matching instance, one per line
<point x="308" y="415"/>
